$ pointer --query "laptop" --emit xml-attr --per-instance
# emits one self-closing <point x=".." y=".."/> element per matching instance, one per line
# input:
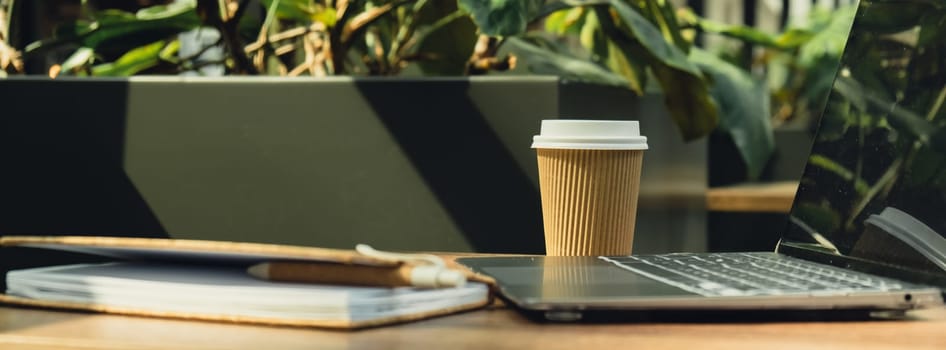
<point x="867" y="230"/>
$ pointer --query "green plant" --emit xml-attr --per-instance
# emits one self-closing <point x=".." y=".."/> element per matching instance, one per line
<point x="799" y="63"/>
<point x="638" y="45"/>
<point x="293" y="37"/>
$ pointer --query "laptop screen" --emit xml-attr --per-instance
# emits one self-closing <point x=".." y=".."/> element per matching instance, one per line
<point x="873" y="195"/>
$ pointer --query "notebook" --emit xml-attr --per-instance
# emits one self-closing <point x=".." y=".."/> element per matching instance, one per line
<point x="867" y="227"/>
<point x="208" y="280"/>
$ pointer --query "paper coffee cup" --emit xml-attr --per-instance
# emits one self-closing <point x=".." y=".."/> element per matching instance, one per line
<point x="589" y="177"/>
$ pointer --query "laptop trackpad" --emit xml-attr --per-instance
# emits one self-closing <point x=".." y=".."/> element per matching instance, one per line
<point x="550" y="283"/>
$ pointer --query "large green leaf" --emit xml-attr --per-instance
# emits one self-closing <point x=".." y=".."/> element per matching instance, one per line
<point x="502" y="17"/>
<point x="134" y="61"/>
<point x="122" y="30"/>
<point x="688" y="100"/>
<point x="791" y="39"/>
<point x="542" y="61"/>
<point x="592" y="38"/>
<point x="743" y="108"/>
<point x="828" y="41"/>
<point x="664" y="13"/>
<point x="652" y="39"/>
<point x="606" y="52"/>
<point x="568" y="21"/>
<point x="622" y="63"/>
<point x="685" y="91"/>
<point x="449" y="45"/>
<point x="819" y="78"/>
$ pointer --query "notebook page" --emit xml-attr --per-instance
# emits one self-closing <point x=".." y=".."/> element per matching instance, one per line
<point x="226" y="290"/>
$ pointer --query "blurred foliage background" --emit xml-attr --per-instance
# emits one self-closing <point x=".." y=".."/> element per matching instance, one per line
<point x="646" y="46"/>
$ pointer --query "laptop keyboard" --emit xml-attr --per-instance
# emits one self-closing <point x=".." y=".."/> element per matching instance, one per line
<point x="748" y="274"/>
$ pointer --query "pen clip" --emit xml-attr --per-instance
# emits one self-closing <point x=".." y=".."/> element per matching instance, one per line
<point x="418" y="259"/>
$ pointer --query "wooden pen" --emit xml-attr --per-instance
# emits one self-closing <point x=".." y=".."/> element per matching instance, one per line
<point x="422" y="276"/>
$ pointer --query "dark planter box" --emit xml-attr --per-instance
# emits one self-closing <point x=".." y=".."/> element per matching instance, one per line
<point x="423" y="164"/>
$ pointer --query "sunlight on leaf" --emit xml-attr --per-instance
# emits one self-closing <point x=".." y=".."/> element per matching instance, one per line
<point x="173" y="9"/>
<point x="685" y="90"/>
<point x="78" y="59"/>
<point x="327" y="16"/>
<point x="132" y="62"/>
<point x="569" y="21"/>
<point x="634" y="72"/>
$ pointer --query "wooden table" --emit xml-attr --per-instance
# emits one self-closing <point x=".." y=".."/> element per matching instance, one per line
<point x="775" y="197"/>
<point x="492" y="329"/>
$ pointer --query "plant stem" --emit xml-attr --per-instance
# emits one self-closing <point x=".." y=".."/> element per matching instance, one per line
<point x="827" y="164"/>
<point x="885" y="180"/>
<point x="291" y="33"/>
<point x="334" y="49"/>
<point x="427" y="31"/>
<point x="214" y="17"/>
<point x="259" y="60"/>
<point x="937" y="105"/>
<point x="861" y="135"/>
<point x="405" y="32"/>
<point x="268" y="21"/>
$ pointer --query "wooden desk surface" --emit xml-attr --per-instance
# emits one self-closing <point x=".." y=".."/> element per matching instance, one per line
<point x="775" y="197"/>
<point x="497" y="328"/>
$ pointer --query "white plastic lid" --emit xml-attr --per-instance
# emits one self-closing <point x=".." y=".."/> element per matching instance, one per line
<point x="590" y="134"/>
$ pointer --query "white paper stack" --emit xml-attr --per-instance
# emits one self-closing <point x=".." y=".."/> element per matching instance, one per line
<point x="227" y="291"/>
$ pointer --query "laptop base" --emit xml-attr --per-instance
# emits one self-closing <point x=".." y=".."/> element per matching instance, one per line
<point x="711" y="316"/>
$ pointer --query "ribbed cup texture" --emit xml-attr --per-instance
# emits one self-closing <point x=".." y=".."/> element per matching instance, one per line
<point x="589" y="200"/>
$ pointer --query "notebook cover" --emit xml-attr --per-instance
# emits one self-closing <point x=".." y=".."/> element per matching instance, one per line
<point x="126" y="248"/>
